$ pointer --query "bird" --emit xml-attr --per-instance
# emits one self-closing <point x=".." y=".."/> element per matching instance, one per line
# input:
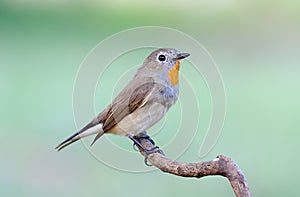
<point x="142" y="103"/>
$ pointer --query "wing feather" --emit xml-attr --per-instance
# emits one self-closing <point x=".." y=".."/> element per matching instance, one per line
<point x="130" y="99"/>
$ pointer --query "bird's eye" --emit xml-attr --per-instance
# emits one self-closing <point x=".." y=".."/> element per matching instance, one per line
<point x="161" y="58"/>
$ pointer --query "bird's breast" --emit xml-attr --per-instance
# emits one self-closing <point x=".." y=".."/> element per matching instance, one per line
<point x="173" y="73"/>
<point x="170" y="95"/>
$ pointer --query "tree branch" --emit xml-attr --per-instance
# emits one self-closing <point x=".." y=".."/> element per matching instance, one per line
<point x="221" y="165"/>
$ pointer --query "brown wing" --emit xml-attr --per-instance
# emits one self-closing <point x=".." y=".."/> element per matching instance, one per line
<point x="130" y="99"/>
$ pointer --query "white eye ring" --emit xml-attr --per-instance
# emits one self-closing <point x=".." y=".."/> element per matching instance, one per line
<point x="161" y="57"/>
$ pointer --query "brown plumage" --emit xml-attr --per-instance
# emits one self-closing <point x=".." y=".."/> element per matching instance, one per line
<point x="142" y="103"/>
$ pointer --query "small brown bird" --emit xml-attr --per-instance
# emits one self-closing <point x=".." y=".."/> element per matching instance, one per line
<point x="142" y="103"/>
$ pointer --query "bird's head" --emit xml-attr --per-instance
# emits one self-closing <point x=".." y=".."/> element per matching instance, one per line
<point x="165" y="62"/>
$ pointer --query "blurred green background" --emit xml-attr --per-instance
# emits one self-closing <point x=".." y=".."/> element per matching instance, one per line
<point x="256" y="47"/>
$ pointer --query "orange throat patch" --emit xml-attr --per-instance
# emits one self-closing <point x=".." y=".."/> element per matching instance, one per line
<point x="173" y="73"/>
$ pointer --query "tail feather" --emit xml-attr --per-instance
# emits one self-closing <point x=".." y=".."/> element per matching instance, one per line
<point x="97" y="137"/>
<point x="86" y="131"/>
<point x="68" y="141"/>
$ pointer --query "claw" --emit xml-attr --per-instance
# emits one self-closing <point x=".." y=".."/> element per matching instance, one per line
<point x="146" y="162"/>
<point x="138" y="143"/>
<point x="134" y="147"/>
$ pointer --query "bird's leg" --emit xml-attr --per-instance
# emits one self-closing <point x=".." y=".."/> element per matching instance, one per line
<point x="138" y="137"/>
<point x="136" y="140"/>
<point x="143" y="135"/>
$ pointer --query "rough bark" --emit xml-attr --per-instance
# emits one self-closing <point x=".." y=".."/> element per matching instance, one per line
<point x="221" y="165"/>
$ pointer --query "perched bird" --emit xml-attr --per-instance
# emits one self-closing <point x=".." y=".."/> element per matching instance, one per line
<point x="142" y="103"/>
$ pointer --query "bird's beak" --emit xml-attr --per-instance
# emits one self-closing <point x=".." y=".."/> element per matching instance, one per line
<point x="182" y="56"/>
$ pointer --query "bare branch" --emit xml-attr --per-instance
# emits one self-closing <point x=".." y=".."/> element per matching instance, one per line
<point x="222" y="165"/>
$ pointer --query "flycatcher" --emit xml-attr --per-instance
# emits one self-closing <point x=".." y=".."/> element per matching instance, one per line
<point x="142" y="103"/>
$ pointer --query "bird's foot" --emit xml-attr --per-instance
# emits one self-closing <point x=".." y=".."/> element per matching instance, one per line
<point x="139" y="138"/>
<point x="137" y="142"/>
